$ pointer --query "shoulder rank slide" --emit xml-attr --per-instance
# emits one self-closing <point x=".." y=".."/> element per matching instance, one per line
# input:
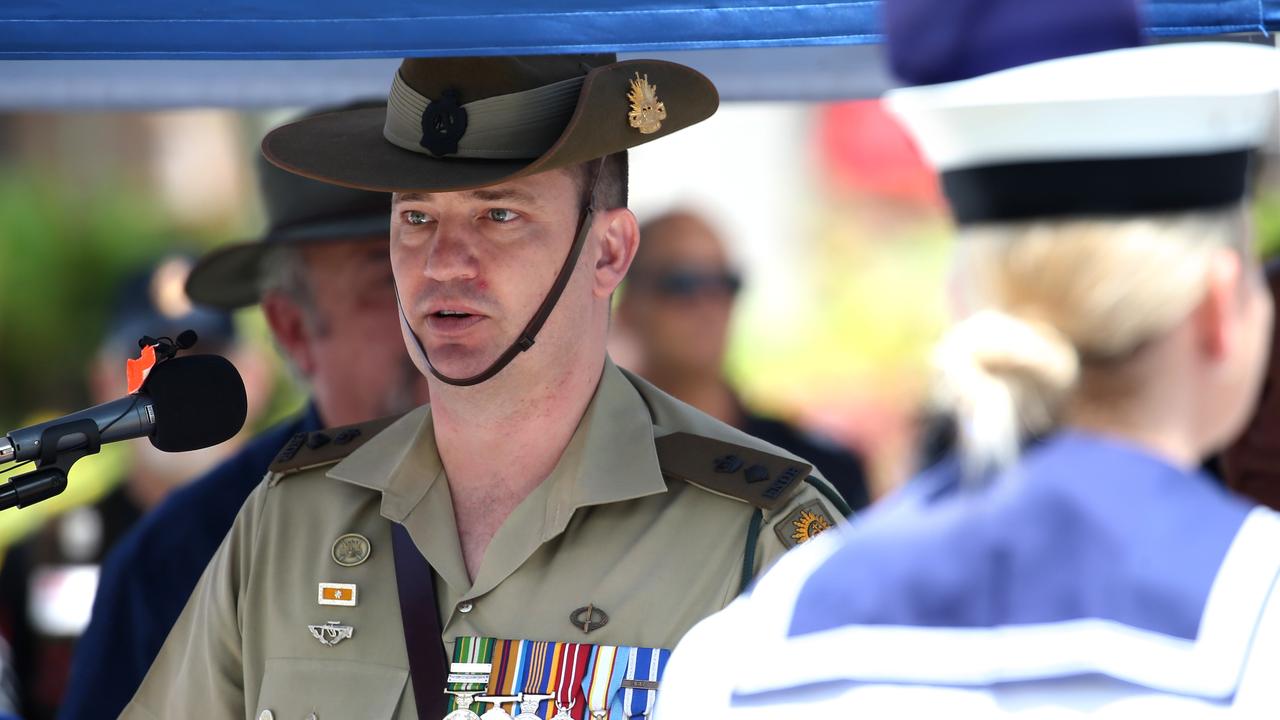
<point x="754" y="476"/>
<point x="322" y="447"/>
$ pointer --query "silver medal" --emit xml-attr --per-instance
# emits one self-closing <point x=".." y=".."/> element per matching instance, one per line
<point x="529" y="703"/>
<point x="464" y="705"/>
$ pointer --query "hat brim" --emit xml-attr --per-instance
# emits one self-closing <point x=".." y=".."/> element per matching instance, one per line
<point x="1149" y="101"/>
<point x="231" y="277"/>
<point x="347" y="148"/>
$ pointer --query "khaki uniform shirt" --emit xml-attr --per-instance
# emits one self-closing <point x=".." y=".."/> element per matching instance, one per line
<point x="656" y="554"/>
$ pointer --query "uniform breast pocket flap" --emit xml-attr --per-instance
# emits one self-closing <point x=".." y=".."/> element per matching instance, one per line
<point x="297" y="688"/>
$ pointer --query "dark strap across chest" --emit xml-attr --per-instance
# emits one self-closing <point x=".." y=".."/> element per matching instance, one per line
<point x="420" y="615"/>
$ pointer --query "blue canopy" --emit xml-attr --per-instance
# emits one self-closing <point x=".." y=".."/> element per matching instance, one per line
<point x="279" y="29"/>
<point x="313" y="52"/>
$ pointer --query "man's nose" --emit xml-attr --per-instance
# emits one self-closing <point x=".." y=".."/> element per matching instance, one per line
<point x="451" y="255"/>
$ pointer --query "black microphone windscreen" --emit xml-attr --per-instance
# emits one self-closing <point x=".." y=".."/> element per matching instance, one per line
<point x="199" y="401"/>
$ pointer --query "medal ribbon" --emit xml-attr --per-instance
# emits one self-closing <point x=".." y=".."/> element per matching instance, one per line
<point x="644" y="666"/>
<point x="504" y="680"/>
<point x="604" y="677"/>
<point x="539" y="665"/>
<point x="573" y="669"/>
<point x="468" y="651"/>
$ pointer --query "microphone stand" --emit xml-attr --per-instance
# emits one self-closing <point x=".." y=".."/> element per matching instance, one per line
<point x="50" y="476"/>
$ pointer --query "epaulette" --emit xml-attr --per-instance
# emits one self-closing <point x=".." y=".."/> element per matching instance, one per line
<point x="324" y="447"/>
<point x="754" y="476"/>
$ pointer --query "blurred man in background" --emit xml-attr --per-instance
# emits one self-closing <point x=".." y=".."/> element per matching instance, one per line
<point x="322" y="275"/>
<point x="1251" y="465"/>
<point x="676" y="308"/>
<point x="48" y="581"/>
<point x="8" y="685"/>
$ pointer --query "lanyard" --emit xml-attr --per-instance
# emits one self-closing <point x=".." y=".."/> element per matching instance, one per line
<point x="420" y="615"/>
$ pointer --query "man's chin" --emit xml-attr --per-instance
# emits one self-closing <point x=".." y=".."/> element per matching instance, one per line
<point x="460" y="363"/>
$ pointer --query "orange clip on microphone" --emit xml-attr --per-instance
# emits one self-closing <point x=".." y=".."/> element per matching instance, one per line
<point x="136" y="370"/>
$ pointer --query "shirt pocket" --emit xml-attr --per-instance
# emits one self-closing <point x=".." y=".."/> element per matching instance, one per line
<point x="310" y="689"/>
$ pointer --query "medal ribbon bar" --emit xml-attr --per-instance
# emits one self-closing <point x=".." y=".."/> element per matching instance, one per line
<point x="644" y="670"/>
<point x="604" y="678"/>
<point x="504" y="686"/>
<point x="539" y="665"/>
<point x="573" y="670"/>
<point x="468" y="674"/>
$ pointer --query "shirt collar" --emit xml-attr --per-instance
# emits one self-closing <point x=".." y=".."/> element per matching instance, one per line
<point x="610" y="458"/>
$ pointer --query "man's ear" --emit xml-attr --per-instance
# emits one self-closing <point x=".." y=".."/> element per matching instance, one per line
<point x="618" y="240"/>
<point x="288" y="323"/>
<point x="1217" y="315"/>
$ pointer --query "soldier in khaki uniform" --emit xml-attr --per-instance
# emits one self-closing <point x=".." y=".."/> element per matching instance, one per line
<point x="569" y="511"/>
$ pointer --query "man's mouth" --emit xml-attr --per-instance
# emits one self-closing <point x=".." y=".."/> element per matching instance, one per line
<point x="448" y="322"/>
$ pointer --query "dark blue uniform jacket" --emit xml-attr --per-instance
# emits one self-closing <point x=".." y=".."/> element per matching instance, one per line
<point x="147" y="579"/>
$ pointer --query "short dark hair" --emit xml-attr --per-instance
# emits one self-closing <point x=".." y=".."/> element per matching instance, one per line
<point x="611" y="187"/>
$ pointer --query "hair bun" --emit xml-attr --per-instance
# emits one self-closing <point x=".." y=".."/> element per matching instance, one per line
<point x="1007" y="378"/>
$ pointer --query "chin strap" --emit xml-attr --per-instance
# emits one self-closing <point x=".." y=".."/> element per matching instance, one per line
<point x="526" y="338"/>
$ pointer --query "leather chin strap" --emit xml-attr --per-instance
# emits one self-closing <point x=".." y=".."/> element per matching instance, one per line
<point x="527" y="336"/>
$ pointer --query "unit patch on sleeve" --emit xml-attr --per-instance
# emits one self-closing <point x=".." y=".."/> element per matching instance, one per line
<point x="803" y="524"/>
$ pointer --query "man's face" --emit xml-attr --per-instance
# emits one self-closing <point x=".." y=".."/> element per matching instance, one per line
<point x="473" y="266"/>
<point x="679" y="297"/>
<point x="359" y="366"/>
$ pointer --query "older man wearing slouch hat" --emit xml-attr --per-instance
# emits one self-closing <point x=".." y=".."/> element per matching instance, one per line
<point x="322" y="277"/>
<point x="536" y="541"/>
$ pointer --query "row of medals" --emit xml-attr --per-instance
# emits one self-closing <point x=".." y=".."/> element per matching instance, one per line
<point x="529" y="702"/>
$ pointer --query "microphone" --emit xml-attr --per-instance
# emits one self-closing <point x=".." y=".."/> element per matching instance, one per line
<point x="187" y="403"/>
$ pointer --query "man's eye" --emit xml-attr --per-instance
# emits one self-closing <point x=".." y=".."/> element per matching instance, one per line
<point x="416" y="217"/>
<point x="503" y="215"/>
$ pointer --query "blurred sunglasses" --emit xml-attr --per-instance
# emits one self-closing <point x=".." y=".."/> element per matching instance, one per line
<point x="690" y="284"/>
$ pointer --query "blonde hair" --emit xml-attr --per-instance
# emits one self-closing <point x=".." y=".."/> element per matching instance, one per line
<point x="1047" y="298"/>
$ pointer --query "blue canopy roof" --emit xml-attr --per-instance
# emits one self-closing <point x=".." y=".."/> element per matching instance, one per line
<point x="283" y="29"/>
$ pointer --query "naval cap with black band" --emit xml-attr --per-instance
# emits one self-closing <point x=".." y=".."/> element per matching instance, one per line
<point x="1059" y="110"/>
<point x="454" y="124"/>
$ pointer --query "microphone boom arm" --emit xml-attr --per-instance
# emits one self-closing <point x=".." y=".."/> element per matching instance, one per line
<point x="50" y="476"/>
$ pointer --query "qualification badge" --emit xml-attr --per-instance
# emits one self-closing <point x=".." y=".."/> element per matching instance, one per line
<point x="351" y="549"/>
<point x="331" y="633"/>
<point x="588" y="618"/>
<point x="647" y="111"/>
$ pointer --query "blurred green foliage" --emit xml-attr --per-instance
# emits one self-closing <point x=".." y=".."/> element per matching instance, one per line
<point x="1267" y="216"/>
<point x="61" y="259"/>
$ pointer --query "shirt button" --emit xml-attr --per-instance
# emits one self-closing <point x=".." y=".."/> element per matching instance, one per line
<point x="266" y="715"/>
<point x="465" y="607"/>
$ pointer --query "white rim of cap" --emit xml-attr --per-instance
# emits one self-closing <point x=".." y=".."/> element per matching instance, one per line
<point x="1149" y="101"/>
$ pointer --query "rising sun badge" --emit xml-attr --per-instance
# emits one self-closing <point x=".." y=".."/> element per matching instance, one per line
<point x="803" y="524"/>
<point x="647" y="111"/>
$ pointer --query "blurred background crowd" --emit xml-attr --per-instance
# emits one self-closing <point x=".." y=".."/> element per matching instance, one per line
<point x="790" y="287"/>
